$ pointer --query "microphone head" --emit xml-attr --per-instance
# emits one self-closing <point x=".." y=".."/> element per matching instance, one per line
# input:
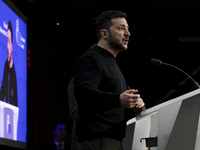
<point x="156" y="62"/>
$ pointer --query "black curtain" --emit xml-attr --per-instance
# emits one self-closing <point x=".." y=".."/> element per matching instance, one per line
<point x="52" y="64"/>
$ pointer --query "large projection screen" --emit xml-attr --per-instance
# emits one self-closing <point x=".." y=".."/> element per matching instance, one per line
<point x="13" y="75"/>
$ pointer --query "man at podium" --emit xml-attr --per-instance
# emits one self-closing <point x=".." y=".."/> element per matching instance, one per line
<point x="9" y="83"/>
<point x="100" y="88"/>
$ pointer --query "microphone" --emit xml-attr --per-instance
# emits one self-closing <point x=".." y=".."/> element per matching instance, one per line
<point x="159" y="63"/>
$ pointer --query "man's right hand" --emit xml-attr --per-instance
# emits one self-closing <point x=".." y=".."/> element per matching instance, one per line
<point x="129" y="99"/>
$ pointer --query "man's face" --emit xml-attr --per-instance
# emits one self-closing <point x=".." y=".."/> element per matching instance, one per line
<point x="60" y="132"/>
<point x="119" y="34"/>
<point x="9" y="45"/>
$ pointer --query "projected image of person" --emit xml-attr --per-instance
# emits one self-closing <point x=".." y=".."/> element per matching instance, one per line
<point x="9" y="83"/>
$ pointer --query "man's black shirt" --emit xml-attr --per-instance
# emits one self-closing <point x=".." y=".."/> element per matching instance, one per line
<point x="9" y="85"/>
<point x="98" y="85"/>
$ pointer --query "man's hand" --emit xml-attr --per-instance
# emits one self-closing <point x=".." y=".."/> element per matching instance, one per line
<point x="129" y="99"/>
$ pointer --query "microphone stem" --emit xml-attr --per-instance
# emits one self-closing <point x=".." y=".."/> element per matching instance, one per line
<point x="195" y="83"/>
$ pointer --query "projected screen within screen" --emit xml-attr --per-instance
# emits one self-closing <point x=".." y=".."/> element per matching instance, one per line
<point x="13" y="75"/>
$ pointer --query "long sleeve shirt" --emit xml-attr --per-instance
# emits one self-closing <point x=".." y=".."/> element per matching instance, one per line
<point x="98" y="85"/>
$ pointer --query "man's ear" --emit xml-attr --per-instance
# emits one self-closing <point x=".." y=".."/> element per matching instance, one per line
<point x="104" y="33"/>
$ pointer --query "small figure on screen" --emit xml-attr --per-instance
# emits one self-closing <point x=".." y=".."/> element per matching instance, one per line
<point x="9" y="83"/>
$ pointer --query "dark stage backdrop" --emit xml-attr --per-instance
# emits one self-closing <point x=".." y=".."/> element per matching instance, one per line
<point x="51" y="65"/>
<point x="54" y="51"/>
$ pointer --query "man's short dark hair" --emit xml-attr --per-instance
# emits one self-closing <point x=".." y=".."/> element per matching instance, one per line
<point x="104" y="20"/>
<point x="10" y="28"/>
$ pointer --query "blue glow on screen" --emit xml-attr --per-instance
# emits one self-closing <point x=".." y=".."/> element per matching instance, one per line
<point x="19" y="54"/>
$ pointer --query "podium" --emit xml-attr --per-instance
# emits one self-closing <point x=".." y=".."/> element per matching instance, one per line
<point x="172" y="125"/>
<point x="8" y="121"/>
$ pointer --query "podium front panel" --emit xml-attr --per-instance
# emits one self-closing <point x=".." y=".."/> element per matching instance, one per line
<point x="175" y="123"/>
<point x="184" y="131"/>
<point x="8" y="121"/>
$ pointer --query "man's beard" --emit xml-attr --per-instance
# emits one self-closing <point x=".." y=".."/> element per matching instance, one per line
<point x="115" y="45"/>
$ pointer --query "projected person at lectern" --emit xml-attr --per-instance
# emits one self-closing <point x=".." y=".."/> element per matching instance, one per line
<point x="9" y="83"/>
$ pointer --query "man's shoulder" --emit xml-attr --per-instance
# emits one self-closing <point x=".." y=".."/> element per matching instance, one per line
<point x="91" y="54"/>
<point x="92" y="51"/>
<point x="95" y="52"/>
